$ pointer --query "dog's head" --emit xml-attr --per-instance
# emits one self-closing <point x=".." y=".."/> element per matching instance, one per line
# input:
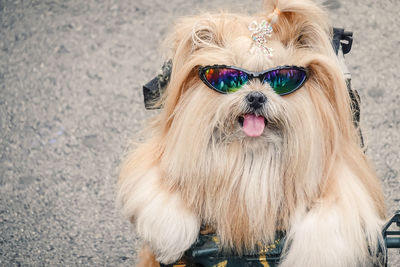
<point x="253" y="112"/>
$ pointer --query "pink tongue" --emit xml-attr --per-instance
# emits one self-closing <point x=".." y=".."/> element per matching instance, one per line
<point x="253" y="125"/>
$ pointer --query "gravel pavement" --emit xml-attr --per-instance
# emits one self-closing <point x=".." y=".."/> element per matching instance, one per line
<point x="70" y="100"/>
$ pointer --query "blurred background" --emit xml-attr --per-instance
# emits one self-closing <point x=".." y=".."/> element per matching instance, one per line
<point x="70" y="100"/>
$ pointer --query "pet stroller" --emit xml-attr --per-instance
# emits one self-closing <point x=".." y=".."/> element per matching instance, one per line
<point x="206" y="251"/>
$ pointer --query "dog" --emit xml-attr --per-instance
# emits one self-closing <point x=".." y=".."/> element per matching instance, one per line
<point x="255" y="136"/>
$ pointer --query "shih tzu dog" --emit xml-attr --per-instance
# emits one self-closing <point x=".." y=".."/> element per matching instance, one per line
<point x="255" y="136"/>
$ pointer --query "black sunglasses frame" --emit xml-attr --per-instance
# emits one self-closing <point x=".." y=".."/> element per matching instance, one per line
<point x="251" y="75"/>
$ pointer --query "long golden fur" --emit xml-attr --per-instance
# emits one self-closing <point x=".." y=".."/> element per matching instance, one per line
<point x="306" y="174"/>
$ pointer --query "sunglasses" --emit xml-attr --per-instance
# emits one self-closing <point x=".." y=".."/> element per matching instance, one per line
<point x="228" y="79"/>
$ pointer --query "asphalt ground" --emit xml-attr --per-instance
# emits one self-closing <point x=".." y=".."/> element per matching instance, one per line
<point x="70" y="100"/>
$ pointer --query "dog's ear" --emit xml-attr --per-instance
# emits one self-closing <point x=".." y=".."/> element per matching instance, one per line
<point x="329" y="91"/>
<point x="300" y="23"/>
<point x="188" y="41"/>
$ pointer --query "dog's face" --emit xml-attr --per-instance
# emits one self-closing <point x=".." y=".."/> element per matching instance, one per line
<point x="255" y="115"/>
<point x="230" y="153"/>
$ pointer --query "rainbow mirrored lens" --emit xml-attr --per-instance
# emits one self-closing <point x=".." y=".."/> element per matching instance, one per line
<point x="285" y="81"/>
<point x="226" y="80"/>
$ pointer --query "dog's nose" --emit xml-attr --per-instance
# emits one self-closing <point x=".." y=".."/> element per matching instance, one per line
<point x="256" y="99"/>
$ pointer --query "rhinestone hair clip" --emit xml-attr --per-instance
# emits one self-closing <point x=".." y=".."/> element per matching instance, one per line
<point x="262" y="31"/>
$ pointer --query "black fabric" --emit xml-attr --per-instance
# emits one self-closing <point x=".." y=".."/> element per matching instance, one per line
<point x="206" y="252"/>
<point x="342" y="38"/>
<point x="151" y="93"/>
<point x="153" y="90"/>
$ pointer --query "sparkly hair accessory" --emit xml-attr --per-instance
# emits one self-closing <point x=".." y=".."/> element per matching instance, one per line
<point x="260" y="34"/>
<point x="262" y="31"/>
